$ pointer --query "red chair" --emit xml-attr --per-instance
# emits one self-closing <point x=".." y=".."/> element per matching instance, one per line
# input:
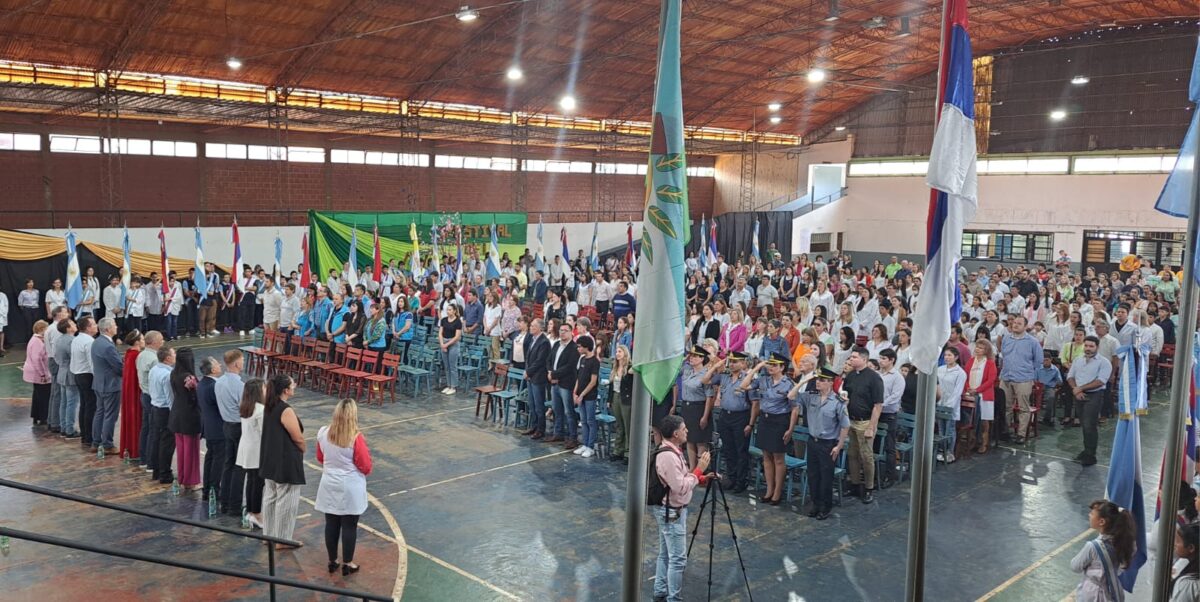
<point x="385" y="380"/>
<point x="351" y="373"/>
<point x="1165" y="365"/>
<point x="334" y="358"/>
<point x="498" y="376"/>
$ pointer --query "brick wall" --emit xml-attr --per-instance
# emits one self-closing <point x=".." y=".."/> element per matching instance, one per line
<point x="174" y="191"/>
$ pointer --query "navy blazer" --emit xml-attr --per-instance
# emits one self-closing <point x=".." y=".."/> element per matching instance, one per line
<point x="211" y="423"/>
<point x="106" y="366"/>
<point x="537" y="359"/>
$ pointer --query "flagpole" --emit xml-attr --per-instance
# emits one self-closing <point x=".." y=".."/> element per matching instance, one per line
<point x="635" y="491"/>
<point x="1178" y="400"/>
<point x="922" y="453"/>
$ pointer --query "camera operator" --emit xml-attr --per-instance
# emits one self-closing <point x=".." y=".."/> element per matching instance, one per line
<point x="671" y="471"/>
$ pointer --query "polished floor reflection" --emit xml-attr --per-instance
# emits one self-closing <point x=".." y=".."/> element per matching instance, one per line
<point x="465" y="509"/>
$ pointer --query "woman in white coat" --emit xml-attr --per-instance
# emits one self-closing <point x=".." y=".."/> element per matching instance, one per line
<point x="342" y="495"/>
<point x="249" y="446"/>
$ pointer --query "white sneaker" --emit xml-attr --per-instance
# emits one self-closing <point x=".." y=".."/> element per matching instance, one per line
<point x="241" y="333"/>
<point x="949" y="458"/>
<point x="587" y="452"/>
<point x="445" y="390"/>
<point x="579" y="450"/>
<point x="940" y="457"/>
<point x="215" y="333"/>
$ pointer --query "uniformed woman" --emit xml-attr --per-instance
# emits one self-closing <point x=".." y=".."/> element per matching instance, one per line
<point x="696" y="404"/>
<point x="828" y="427"/>
<point x="775" y="416"/>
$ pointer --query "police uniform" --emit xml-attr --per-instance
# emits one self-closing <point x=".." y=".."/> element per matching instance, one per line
<point x="774" y="409"/>
<point x="731" y="426"/>
<point x="826" y="418"/>
<point x="693" y="397"/>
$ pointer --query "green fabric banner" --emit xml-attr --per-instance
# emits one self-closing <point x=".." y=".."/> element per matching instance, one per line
<point x="329" y="236"/>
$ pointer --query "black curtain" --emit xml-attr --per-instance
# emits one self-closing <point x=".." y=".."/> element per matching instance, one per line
<point x="13" y="275"/>
<point x="734" y="231"/>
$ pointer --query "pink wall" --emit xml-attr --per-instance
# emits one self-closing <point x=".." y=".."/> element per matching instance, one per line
<point x="887" y="214"/>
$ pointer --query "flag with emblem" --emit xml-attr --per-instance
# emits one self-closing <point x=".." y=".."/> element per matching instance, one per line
<point x="238" y="262"/>
<point x="539" y="258"/>
<point x="74" y="286"/>
<point x="415" y="263"/>
<point x="126" y="269"/>
<point x="199" y="279"/>
<point x="666" y="228"/>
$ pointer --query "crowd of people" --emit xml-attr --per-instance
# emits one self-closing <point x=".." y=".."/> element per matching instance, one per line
<point x="774" y="344"/>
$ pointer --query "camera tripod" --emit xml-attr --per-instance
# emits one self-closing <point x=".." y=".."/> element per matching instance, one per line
<point x="711" y="501"/>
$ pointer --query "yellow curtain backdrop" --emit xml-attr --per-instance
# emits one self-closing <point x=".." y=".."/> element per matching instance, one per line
<point x="24" y="246"/>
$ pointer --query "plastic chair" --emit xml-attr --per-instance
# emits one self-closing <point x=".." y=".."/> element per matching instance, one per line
<point x="386" y="379"/>
<point x="503" y="400"/>
<point x="605" y="421"/>
<point x="795" y="465"/>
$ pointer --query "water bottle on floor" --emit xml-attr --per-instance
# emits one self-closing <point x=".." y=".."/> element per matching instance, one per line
<point x="100" y="453"/>
<point x="4" y="545"/>
<point x="245" y="519"/>
<point x="175" y="488"/>
<point x="212" y="503"/>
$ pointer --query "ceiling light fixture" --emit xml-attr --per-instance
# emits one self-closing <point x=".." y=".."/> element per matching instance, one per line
<point x="905" y="28"/>
<point x="774" y="107"/>
<point x="833" y="14"/>
<point x="1080" y="80"/>
<point x="514" y="73"/>
<point x="776" y="119"/>
<point x="567" y="103"/>
<point x="234" y="63"/>
<point x="1058" y="115"/>
<point x="816" y="75"/>
<point x="466" y="14"/>
<point x="840" y="128"/>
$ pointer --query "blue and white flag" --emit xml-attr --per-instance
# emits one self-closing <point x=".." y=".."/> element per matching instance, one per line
<point x="754" y="252"/>
<point x="437" y="252"/>
<point x="126" y="269"/>
<point x="712" y="242"/>
<point x="74" y="285"/>
<point x="954" y="197"/>
<point x="702" y="253"/>
<point x="1125" y="467"/>
<point x="493" y="258"/>
<point x="278" y="258"/>
<point x="199" y="279"/>
<point x="351" y="273"/>
<point x="1175" y="198"/>
<point x="594" y="259"/>
<point x="539" y="257"/>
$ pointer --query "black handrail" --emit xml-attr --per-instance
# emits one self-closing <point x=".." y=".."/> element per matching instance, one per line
<point x="146" y="513"/>
<point x="66" y="543"/>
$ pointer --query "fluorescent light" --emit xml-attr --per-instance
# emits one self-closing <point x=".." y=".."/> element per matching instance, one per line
<point x="567" y="103"/>
<point x="840" y="128"/>
<point x="514" y="73"/>
<point x="776" y="119"/>
<point x="1058" y="114"/>
<point x="774" y="106"/>
<point x="234" y="63"/>
<point x="816" y="76"/>
<point x="1080" y="80"/>
<point x="466" y="14"/>
<point x="832" y="15"/>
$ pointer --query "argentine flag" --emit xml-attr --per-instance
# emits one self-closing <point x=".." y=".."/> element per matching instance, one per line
<point x="594" y="260"/>
<point x="754" y="252"/>
<point x="712" y="242"/>
<point x="539" y="257"/>
<point x="1176" y="195"/>
<point x="126" y="269"/>
<point x="200" y="279"/>
<point x="954" y="197"/>
<point x="702" y="253"/>
<point x="237" y="260"/>
<point x="74" y="288"/>
<point x="351" y="273"/>
<point x="493" y="259"/>
<point x="1124" y="483"/>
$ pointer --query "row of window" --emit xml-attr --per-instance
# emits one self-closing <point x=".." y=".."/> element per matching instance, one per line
<point x="1084" y="164"/>
<point x="1010" y="246"/>
<point x="303" y="154"/>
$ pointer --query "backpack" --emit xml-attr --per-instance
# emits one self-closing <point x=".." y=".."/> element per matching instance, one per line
<point x="656" y="490"/>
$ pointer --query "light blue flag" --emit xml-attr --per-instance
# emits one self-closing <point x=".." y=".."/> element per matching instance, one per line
<point x="666" y="231"/>
<point x="493" y="259"/>
<point x="74" y="286"/>
<point x="1124" y="484"/>
<point x="126" y="270"/>
<point x="352" y="275"/>
<point x="278" y="258"/>
<point x="437" y="252"/>
<point x="1176" y="196"/>
<point x="702" y="252"/>
<point x="594" y="260"/>
<point x="539" y="257"/>
<point x="199" y="279"/>
<point x="754" y="244"/>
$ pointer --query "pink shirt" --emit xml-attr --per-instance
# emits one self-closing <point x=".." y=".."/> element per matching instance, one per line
<point x="674" y="473"/>
<point x="36" y="370"/>
<point x="733" y="337"/>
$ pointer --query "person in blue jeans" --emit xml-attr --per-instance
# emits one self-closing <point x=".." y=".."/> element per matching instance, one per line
<point x="671" y="512"/>
<point x="69" y="398"/>
<point x="587" y="381"/>
<point x="564" y="358"/>
<point x="449" y="335"/>
<point x="537" y="362"/>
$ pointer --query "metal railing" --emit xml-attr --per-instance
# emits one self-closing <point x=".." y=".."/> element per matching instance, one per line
<point x="270" y="579"/>
<point x="818" y="203"/>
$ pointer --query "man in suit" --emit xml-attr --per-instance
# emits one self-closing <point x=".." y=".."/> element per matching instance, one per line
<point x="537" y="359"/>
<point x="564" y="358"/>
<point x="212" y="426"/>
<point x="106" y="382"/>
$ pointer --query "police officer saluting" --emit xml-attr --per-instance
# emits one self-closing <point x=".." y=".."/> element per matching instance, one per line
<point x="733" y="426"/>
<point x="778" y="418"/>
<point x="828" y="427"/>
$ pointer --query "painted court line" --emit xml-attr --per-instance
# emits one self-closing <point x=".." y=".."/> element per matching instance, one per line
<point x="1021" y="450"/>
<point x="463" y="573"/>
<point x="475" y="474"/>
<point x="400" y="420"/>
<point x="1033" y="567"/>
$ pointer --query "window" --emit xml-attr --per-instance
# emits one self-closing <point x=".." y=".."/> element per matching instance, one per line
<point x="305" y="154"/>
<point x="492" y="163"/>
<point x="168" y="148"/>
<point x="624" y="169"/>
<point x="820" y="242"/>
<point x="20" y="142"/>
<point x="1010" y="246"/>
<point x="701" y="172"/>
<point x="363" y="157"/>
<point x="74" y="144"/>
<point x="1105" y="248"/>
<point x="556" y="166"/>
<point x="1125" y="164"/>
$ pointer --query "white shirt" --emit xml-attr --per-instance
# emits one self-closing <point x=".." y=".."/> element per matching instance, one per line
<point x="56" y="298"/>
<point x="112" y="302"/>
<point x="174" y="300"/>
<point x="81" y="354"/>
<point x="4" y="314"/>
<point x="874" y="348"/>
<point x="272" y="302"/>
<point x="289" y="309"/>
<point x="248" y="445"/>
<point x="491" y="316"/>
<point x="135" y="301"/>
<point x="893" y="390"/>
<point x="951" y="383"/>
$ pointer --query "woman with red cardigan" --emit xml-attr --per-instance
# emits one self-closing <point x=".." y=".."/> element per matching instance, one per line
<point x="131" y="398"/>
<point x="981" y="387"/>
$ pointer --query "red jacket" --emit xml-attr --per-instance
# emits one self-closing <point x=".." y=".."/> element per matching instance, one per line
<point x="987" y="388"/>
